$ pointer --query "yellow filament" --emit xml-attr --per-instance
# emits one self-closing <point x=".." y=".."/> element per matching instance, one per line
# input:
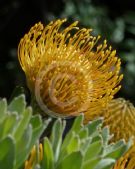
<point x="75" y="52"/>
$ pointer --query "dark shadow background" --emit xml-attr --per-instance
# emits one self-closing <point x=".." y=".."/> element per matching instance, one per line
<point x="114" y="20"/>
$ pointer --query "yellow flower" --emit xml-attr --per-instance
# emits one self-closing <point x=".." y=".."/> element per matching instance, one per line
<point x="66" y="70"/>
<point x="128" y="161"/>
<point x="120" y="117"/>
<point x="35" y="157"/>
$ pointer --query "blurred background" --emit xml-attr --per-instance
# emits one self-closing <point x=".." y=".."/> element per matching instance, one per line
<point x="114" y="20"/>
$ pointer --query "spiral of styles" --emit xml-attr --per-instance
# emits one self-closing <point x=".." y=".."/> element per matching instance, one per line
<point x="62" y="89"/>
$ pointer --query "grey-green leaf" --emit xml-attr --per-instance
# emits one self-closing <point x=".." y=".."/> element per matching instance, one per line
<point x="105" y="164"/>
<point x="93" y="150"/>
<point x="17" y="104"/>
<point x="72" y="161"/>
<point x="7" y="153"/>
<point x="48" y="158"/>
<point x="3" y="109"/>
<point x="56" y="137"/>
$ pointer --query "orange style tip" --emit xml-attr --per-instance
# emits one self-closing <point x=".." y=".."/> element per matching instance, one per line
<point x="39" y="23"/>
<point x="114" y="52"/>
<point x="121" y="77"/>
<point x="120" y="87"/>
<point x="110" y="47"/>
<point x="90" y="30"/>
<point x="50" y="23"/>
<point x="64" y="19"/>
<point x="76" y="23"/>
<point x="105" y="41"/>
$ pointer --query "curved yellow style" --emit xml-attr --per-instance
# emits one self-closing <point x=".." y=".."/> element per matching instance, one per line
<point x="128" y="161"/>
<point x="68" y="70"/>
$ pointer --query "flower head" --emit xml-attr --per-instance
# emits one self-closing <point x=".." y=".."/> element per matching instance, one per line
<point x="120" y="117"/>
<point x="66" y="70"/>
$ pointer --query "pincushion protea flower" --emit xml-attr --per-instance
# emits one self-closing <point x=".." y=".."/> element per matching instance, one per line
<point x="66" y="70"/>
<point x="120" y="117"/>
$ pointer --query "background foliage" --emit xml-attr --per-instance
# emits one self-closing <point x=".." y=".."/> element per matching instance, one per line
<point x="114" y="20"/>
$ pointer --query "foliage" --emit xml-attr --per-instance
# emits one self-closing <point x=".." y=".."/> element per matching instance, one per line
<point x="19" y="131"/>
<point x="84" y="147"/>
